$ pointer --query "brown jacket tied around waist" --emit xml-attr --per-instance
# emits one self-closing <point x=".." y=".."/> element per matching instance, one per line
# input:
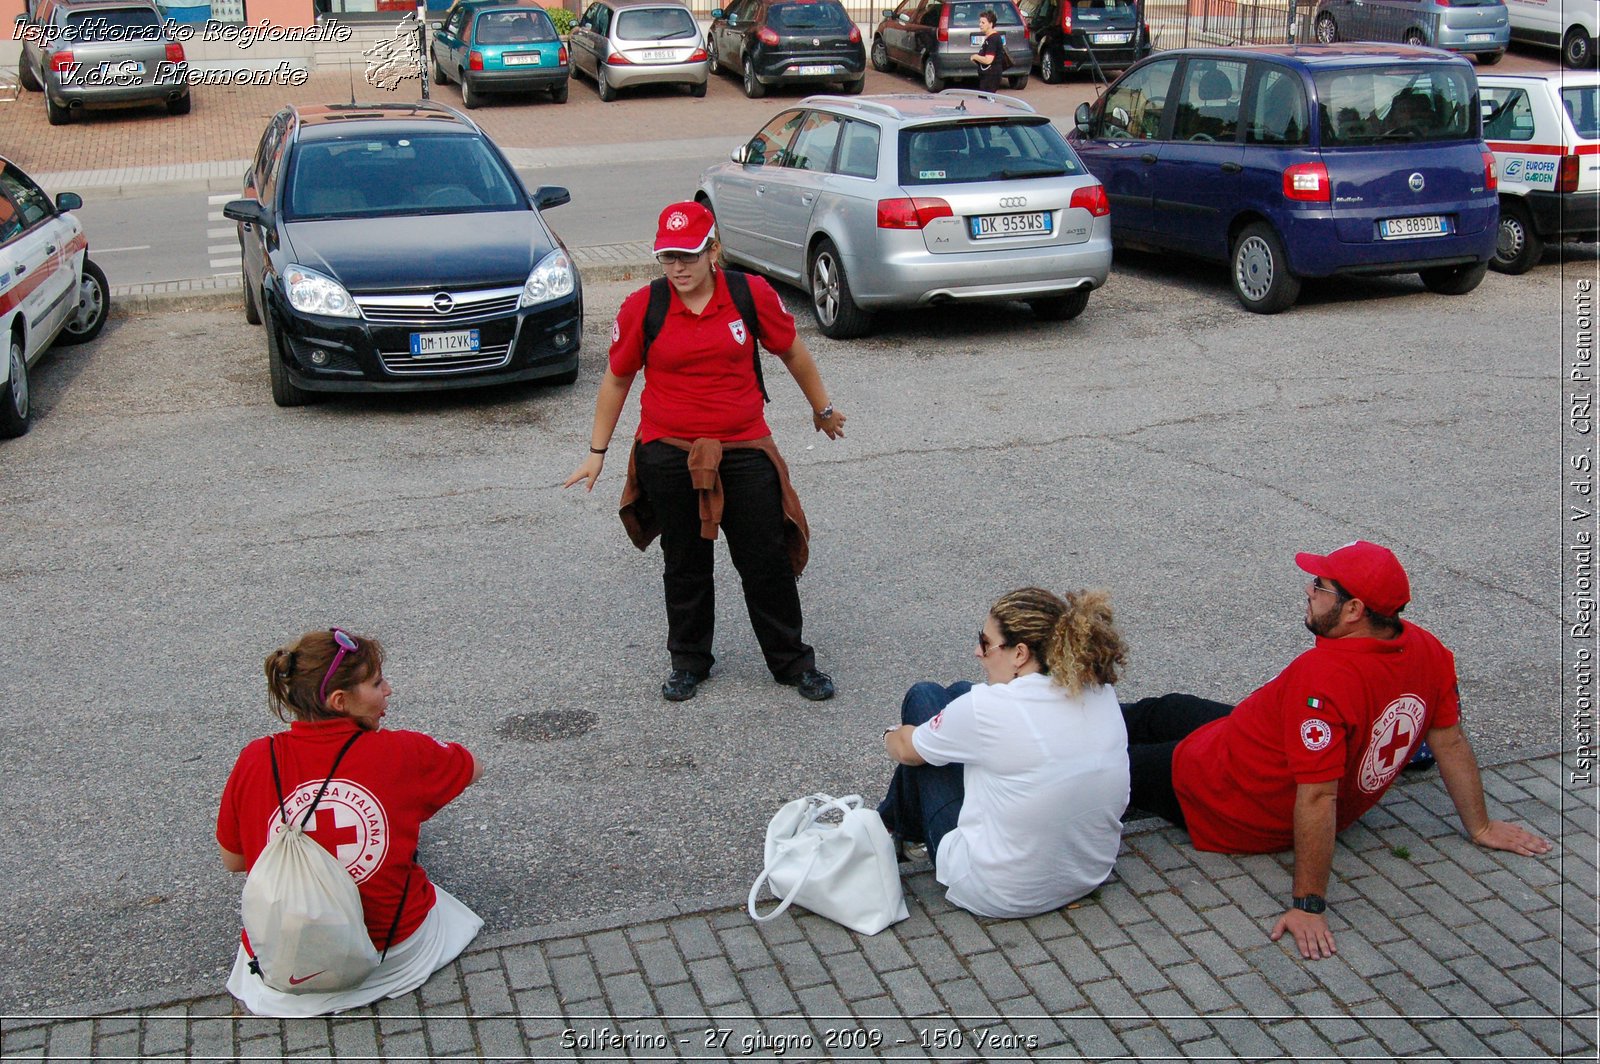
<point x="705" y="459"/>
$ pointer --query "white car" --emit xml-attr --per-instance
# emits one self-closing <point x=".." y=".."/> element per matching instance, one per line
<point x="49" y="289"/>
<point x="1570" y="25"/>
<point x="1544" y="130"/>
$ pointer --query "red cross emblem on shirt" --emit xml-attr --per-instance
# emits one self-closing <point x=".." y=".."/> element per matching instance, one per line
<point x="1315" y="734"/>
<point x="329" y="835"/>
<point x="1396" y="747"/>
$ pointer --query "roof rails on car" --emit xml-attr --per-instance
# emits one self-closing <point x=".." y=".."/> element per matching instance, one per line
<point x="992" y="97"/>
<point x="871" y="106"/>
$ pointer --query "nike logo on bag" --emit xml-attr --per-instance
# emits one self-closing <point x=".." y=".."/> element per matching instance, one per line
<point x="296" y="982"/>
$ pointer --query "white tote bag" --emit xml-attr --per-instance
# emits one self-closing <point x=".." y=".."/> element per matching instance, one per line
<point x="845" y="871"/>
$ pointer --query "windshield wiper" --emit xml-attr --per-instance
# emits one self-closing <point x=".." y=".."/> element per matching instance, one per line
<point x="1053" y="171"/>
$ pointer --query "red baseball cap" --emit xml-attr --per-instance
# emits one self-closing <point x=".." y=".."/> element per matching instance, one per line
<point x="1369" y="572"/>
<point x="685" y="227"/>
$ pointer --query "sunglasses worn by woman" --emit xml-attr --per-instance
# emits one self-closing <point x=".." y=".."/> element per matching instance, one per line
<point x="703" y="436"/>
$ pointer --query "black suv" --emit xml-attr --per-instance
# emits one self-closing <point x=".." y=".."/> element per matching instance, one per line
<point x="1082" y="34"/>
<point x="783" y="42"/>
<point x="391" y="247"/>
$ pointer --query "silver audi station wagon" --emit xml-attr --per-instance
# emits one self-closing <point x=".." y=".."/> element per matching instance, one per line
<point x="871" y="202"/>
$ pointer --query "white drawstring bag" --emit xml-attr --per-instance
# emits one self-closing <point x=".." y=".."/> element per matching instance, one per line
<point x="302" y="910"/>
<point x="845" y="871"/>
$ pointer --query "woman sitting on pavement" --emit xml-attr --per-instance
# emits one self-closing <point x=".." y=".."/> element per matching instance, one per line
<point x="329" y="686"/>
<point x="1017" y="786"/>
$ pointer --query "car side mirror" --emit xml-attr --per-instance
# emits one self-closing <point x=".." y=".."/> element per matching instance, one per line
<point x="741" y="155"/>
<point x="243" y="210"/>
<point x="903" y="17"/>
<point x="716" y="12"/>
<point x="544" y="197"/>
<point x="68" y="201"/>
<point x="1084" y="117"/>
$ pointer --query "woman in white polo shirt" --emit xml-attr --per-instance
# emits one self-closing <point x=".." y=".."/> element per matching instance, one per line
<point x="1017" y="785"/>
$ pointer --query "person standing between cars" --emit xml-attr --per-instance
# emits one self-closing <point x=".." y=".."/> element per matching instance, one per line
<point x="703" y="457"/>
<point x="1017" y="786"/>
<point x="330" y="688"/>
<point x="1303" y="757"/>
<point x="991" y="57"/>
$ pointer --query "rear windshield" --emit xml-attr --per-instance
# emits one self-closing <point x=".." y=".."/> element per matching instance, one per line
<point x="656" y="24"/>
<point x="1000" y="150"/>
<point x="114" y="24"/>
<point x="799" y="17"/>
<point x="514" y="27"/>
<point x="1400" y="104"/>
<point x="965" y="16"/>
<point x="395" y="173"/>
<point x="1583" y="107"/>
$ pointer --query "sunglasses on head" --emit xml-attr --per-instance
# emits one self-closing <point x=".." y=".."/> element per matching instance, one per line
<point x="347" y="645"/>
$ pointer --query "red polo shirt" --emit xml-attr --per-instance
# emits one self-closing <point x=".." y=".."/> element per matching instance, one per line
<point x="700" y="380"/>
<point x="1351" y="710"/>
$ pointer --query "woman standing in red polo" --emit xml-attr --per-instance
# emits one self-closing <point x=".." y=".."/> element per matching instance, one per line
<point x="704" y="457"/>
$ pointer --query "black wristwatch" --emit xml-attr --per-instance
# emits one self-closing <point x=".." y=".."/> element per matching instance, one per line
<point x="1311" y="903"/>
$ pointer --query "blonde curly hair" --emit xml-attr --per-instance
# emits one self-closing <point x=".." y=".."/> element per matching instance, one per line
<point x="1075" y="639"/>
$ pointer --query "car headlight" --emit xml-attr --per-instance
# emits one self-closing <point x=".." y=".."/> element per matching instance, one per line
<point x="554" y="277"/>
<point x="312" y="293"/>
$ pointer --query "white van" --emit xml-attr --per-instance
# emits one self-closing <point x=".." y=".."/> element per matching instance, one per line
<point x="1570" y="25"/>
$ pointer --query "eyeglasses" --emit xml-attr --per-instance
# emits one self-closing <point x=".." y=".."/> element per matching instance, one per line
<point x="984" y="646"/>
<point x="687" y="258"/>
<point x="1316" y="585"/>
<point x="347" y="645"/>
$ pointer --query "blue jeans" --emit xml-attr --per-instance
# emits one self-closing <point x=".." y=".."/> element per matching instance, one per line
<point x="924" y="801"/>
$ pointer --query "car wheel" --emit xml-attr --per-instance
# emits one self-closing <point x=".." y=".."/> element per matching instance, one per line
<point x="880" y="56"/>
<point x="856" y="87"/>
<point x="57" y="114"/>
<point x="1454" y="280"/>
<point x="837" y="314"/>
<point x="284" y="391"/>
<point x="558" y="93"/>
<point x="252" y="305"/>
<point x="698" y="90"/>
<point x="94" y="305"/>
<point x="471" y="98"/>
<point x="713" y="64"/>
<point x="1260" y="270"/>
<point x="1061" y="308"/>
<point x="1049" y="68"/>
<point x="1490" y="58"/>
<point x="15" y="406"/>
<point x="1577" y="49"/>
<point x="602" y="86"/>
<point x="181" y="106"/>
<point x="1519" y="248"/>
<point x="930" y="75"/>
<point x="1414" y="38"/>
<point x="29" y="79"/>
<point x="752" y="84"/>
<point x="1327" y="29"/>
<point x="1017" y="83"/>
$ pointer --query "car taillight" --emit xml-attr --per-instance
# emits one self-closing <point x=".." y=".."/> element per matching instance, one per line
<point x="944" y="23"/>
<point x="1027" y="34"/>
<point x="1092" y="198"/>
<point x="475" y="60"/>
<point x="1567" y="179"/>
<point x="175" y="53"/>
<point x="618" y="59"/>
<point x="911" y="213"/>
<point x="699" y="55"/>
<point x="855" y="33"/>
<point x="1066" y="17"/>
<point x="61" y="61"/>
<point x="1307" y="183"/>
<point x="767" y="35"/>
<point x="561" y="57"/>
<point x="1491" y="175"/>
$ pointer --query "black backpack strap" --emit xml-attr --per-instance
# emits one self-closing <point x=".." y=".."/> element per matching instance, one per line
<point x="739" y="289"/>
<point x="324" y="789"/>
<point x="395" y="925"/>
<point x="655" y="314"/>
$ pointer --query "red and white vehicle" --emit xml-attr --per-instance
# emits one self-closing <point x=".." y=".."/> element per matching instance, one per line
<point x="49" y="289"/>
<point x="1544" y="130"/>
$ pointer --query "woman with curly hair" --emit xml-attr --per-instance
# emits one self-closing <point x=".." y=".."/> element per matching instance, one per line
<point x="1017" y="785"/>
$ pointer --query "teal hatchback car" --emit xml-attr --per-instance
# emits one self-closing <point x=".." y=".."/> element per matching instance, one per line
<point x="492" y="46"/>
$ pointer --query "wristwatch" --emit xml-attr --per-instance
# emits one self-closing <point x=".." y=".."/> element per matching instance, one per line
<point x="825" y="413"/>
<point x="1311" y="903"/>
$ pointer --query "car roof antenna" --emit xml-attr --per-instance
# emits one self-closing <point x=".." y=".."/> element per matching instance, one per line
<point x="351" y="71"/>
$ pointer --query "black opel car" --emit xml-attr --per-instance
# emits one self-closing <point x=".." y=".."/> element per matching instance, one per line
<point x="391" y="247"/>
<point x="787" y="42"/>
<point x="1075" y="35"/>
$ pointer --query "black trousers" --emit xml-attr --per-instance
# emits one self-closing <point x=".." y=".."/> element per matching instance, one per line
<point x="1155" y="727"/>
<point x="752" y="521"/>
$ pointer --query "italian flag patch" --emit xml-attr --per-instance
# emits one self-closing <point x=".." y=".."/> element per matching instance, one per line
<point x="1314" y="703"/>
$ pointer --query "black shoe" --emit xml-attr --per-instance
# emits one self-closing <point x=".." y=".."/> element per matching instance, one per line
<point x="680" y="686"/>
<point x="812" y="684"/>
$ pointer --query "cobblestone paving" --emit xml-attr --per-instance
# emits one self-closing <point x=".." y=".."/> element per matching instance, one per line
<point x="1445" y="951"/>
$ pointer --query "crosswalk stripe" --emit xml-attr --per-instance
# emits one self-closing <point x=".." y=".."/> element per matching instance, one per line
<point x="224" y="198"/>
<point x="217" y="234"/>
<point x="218" y="263"/>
